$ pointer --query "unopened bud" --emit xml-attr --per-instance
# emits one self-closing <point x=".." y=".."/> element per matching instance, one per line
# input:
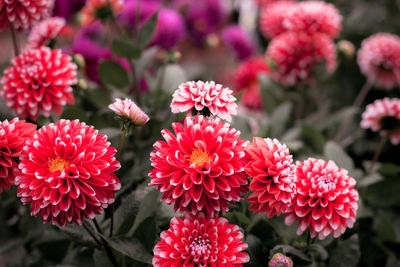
<point x="347" y="48"/>
<point x="280" y="260"/>
<point x="79" y="60"/>
<point x="212" y="40"/>
<point x="82" y="84"/>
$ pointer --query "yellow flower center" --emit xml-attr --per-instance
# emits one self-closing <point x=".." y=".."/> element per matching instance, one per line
<point x="199" y="157"/>
<point x="58" y="164"/>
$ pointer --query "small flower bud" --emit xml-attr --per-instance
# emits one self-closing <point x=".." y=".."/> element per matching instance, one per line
<point x="280" y="260"/>
<point x="347" y="48"/>
<point x="79" y="60"/>
<point x="129" y="112"/>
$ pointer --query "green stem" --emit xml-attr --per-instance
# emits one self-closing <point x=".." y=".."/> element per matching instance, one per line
<point x="378" y="151"/>
<point x="14" y="39"/>
<point x="87" y="228"/>
<point x="159" y="87"/>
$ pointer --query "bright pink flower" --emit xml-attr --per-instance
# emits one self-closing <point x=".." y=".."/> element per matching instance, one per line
<point x="314" y="17"/>
<point x="199" y="241"/>
<point x="271" y="167"/>
<point x="326" y="200"/>
<point x="266" y="3"/>
<point x="295" y="54"/>
<point x="383" y="115"/>
<point x="23" y="13"/>
<point x="200" y="168"/>
<point x="379" y="59"/>
<point x="208" y="98"/>
<point x="12" y="139"/>
<point x="100" y="9"/>
<point x="67" y="173"/>
<point x="273" y="16"/>
<point x="39" y="82"/>
<point x="280" y="260"/>
<point x="246" y="78"/>
<point x="129" y="110"/>
<point x="45" y="31"/>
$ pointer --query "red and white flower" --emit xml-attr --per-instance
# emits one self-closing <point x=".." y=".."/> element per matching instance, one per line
<point x="127" y="109"/>
<point x="67" y="173"/>
<point x="208" y="98"/>
<point x="383" y="115"/>
<point x="100" y="9"/>
<point x="45" y="31"/>
<point x="326" y="200"/>
<point x="200" y="168"/>
<point x="39" y="82"/>
<point x="273" y="184"/>
<point x="272" y="18"/>
<point x="199" y="241"/>
<point x="13" y="135"/>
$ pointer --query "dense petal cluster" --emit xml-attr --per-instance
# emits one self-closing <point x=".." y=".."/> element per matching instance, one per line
<point x="22" y="14"/>
<point x="280" y="260"/>
<point x="239" y="42"/>
<point x="246" y="79"/>
<point x="295" y="54"/>
<point x="383" y="115"/>
<point x="127" y="109"/>
<point x="271" y="167"/>
<point x="170" y="29"/>
<point x="13" y="135"/>
<point x="201" y="167"/>
<point x="208" y="98"/>
<point x="379" y="59"/>
<point x="39" y="82"/>
<point x="314" y="17"/>
<point x="199" y="241"/>
<point x="45" y="31"/>
<point x="100" y="9"/>
<point x="67" y="173"/>
<point x="326" y="200"/>
<point x="272" y="18"/>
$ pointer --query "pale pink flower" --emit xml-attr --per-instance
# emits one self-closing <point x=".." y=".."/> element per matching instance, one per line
<point x="129" y="110"/>
<point x="45" y="31"/>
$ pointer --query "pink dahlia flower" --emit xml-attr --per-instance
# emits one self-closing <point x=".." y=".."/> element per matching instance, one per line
<point x="67" y="173"/>
<point x="383" y="115"/>
<point x="127" y="109"/>
<point x="39" y="82"/>
<point x="273" y="16"/>
<point x="295" y="54"/>
<point x="45" y="31"/>
<point x="206" y="98"/>
<point x="200" y="168"/>
<point x="326" y="200"/>
<point x="314" y="17"/>
<point x="379" y="59"/>
<point x="100" y="9"/>
<point x="13" y="135"/>
<point x="271" y="167"/>
<point x="23" y="13"/>
<point x="266" y="3"/>
<point x="199" y="241"/>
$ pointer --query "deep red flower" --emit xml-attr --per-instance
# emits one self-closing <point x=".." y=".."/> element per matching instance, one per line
<point x="12" y="139"/>
<point x="295" y="54"/>
<point x="206" y="97"/>
<point x="67" y="173"/>
<point x="246" y="78"/>
<point x="326" y="200"/>
<point x="273" y="16"/>
<point x="23" y="13"/>
<point x="39" y="82"/>
<point x="379" y="59"/>
<point x="201" y="167"/>
<point x="383" y="115"/>
<point x="271" y="167"/>
<point x="199" y="241"/>
<point x="45" y="31"/>
<point x="314" y="17"/>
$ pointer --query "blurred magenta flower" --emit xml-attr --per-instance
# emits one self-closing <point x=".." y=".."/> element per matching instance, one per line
<point x="239" y="41"/>
<point x="67" y="9"/>
<point x="170" y="29"/>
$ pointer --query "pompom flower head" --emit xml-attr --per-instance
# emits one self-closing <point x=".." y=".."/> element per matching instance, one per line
<point x="128" y="110"/>
<point x="271" y="167"/>
<point x="39" y="82"/>
<point x="199" y="241"/>
<point x="326" y="200"/>
<point x="201" y="167"/>
<point x="272" y="18"/>
<point x="206" y="98"/>
<point x="170" y="29"/>
<point x="13" y="135"/>
<point x="295" y="54"/>
<point x="239" y="42"/>
<point x="383" y="115"/>
<point x="314" y="17"/>
<point x="67" y="173"/>
<point x="22" y="14"/>
<point x="280" y="260"/>
<point x="45" y="31"/>
<point x="100" y="9"/>
<point x="379" y="59"/>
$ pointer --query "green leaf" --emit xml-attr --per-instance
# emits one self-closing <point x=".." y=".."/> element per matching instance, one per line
<point x="334" y="152"/>
<point x="101" y="259"/>
<point x="385" y="230"/>
<point x="279" y="119"/>
<point x="389" y="169"/>
<point x="147" y="31"/>
<point x="10" y="245"/>
<point x="124" y="47"/>
<point x="73" y="113"/>
<point x="113" y="74"/>
<point x="130" y="247"/>
<point x="286" y="249"/>
<point x="346" y="254"/>
<point x="271" y="93"/>
<point x="314" y="138"/>
<point x="125" y="215"/>
<point x="383" y="194"/>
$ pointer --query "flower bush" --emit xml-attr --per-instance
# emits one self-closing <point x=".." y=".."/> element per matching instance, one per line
<point x="199" y="133"/>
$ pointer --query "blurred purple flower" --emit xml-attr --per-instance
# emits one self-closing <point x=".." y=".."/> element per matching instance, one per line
<point x="66" y="9"/>
<point x="170" y="29"/>
<point x="128" y="16"/>
<point x="239" y="42"/>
